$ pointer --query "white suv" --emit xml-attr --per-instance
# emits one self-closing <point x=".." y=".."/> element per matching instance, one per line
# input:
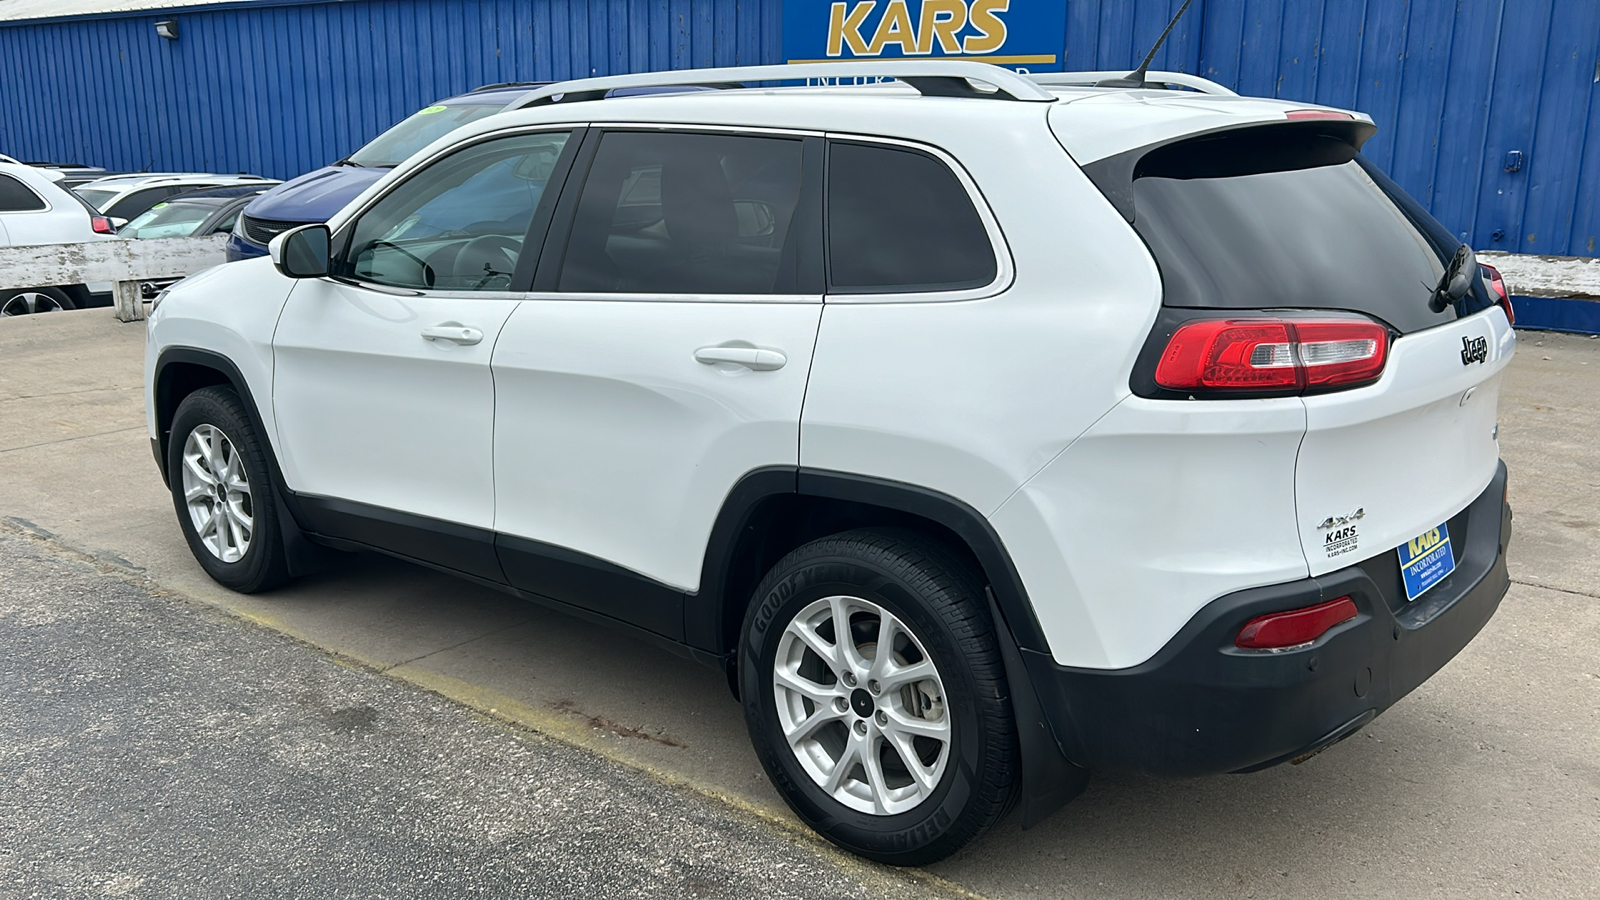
<point x="36" y="210"/>
<point x="986" y="430"/>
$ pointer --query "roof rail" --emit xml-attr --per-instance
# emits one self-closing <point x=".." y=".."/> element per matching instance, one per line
<point x="506" y="84"/>
<point x="1089" y="79"/>
<point x="930" y="77"/>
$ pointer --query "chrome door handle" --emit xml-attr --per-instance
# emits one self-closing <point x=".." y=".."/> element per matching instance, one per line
<point x="754" y="358"/>
<point x="454" y="333"/>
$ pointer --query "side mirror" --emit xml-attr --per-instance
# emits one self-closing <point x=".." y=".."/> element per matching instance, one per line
<point x="302" y="252"/>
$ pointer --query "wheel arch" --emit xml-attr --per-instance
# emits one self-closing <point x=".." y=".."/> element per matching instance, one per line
<point x="179" y="372"/>
<point x="773" y="510"/>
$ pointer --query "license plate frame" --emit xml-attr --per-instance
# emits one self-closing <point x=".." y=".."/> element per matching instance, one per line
<point x="1426" y="560"/>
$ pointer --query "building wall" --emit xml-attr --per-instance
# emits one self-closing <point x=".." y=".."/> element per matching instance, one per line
<point x="277" y="89"/>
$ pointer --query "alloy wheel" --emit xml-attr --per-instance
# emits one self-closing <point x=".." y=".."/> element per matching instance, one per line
<point x="861" y="705"/>
<point x="27" y="303"/>
<point x="216" y="491"/>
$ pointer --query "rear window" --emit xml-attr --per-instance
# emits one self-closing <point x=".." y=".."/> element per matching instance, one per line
<point x="18" y="197"/>
<point x="95" y="198"/>
<point x="168" y="220"/>
<point x="1277" y="218"/>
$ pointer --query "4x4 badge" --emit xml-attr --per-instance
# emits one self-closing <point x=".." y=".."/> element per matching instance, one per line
<point x="1474" y="350"/>
<point x="1336" y="521"/>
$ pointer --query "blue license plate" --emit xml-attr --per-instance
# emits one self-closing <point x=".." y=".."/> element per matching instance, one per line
<point x="1425" y="560"/>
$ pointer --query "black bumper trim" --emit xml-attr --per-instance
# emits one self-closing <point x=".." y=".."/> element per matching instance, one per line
<point x="1203" y="706"/>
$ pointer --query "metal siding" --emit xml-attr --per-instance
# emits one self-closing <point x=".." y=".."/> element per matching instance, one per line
<point x="281" y="88"/>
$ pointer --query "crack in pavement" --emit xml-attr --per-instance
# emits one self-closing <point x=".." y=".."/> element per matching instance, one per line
<point x="70" y="439"/>
<point x="1559" y="590"/>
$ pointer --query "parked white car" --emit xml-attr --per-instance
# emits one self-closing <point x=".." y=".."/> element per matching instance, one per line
<point x="34" y="210"/>
<point x="123" y="197"/>
<point x="985" y="430"/>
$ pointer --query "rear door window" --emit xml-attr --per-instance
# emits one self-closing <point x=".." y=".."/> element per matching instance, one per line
<point x="1270" y="219"/>
<point x="666" y="213"/>
<point x="18" y="197"/>
<point x="900" y="221"/>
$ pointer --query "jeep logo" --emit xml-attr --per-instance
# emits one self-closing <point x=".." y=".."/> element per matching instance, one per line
<point x="1474" y="350"/>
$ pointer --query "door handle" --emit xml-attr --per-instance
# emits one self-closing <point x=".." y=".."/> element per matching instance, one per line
<point x="755" y="358"/>
<point x="453" y="332"/>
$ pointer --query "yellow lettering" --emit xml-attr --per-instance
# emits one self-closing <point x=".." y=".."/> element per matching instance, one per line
<point x="845" y="28"/>
<point x="1416" y="547"/>
<point x="991" y="31"/>
<point x="954" y="14"/>
<point x="893" y="28"/>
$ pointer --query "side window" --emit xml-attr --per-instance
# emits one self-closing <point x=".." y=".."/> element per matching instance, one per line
<point x="899" y="220"/>
<point x="459" y="224"/>
<point x="18" y="197"/>
<point x="686" y="214"/>
<point x="228" y="220"/>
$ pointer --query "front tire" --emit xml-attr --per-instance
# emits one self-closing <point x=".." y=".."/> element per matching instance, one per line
<point x="223" y="493"/>
<point x="902" y="754"/>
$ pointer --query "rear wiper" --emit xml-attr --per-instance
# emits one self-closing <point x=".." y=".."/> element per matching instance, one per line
<point x="1456" y="281"/>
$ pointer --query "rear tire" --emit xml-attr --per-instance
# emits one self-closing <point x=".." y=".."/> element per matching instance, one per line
<point x="33" y="301"/>
<point x="223" y="492"/>
<point x="903" y="757"/>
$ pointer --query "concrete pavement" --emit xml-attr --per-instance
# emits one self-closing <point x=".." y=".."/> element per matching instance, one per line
<point x="1482" y="783"/>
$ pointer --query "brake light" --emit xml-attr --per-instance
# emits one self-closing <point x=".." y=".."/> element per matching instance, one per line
<point x="1271" y="354"/>
<point x="101" y="225"/>
<point x="1299" y="115"/>
<point x="1497" y="286"/>
<point x="1277" y="631"/>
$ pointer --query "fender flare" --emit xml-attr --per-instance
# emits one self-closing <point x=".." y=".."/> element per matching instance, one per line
<point x="304" y="557"/>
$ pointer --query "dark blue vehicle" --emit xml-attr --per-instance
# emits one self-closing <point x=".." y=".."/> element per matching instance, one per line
<point x="316" y="196"/>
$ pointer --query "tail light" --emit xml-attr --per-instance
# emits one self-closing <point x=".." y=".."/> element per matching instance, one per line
<point x="1272" y="354"/>
<point x="1277" y="631"/>
<point x="1497" y="287"/>
<point x="102" y="225"/>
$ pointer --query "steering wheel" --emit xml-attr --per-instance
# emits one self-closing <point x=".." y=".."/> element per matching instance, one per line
<point x="487" y="257"/>
<point x="426" y="271"/>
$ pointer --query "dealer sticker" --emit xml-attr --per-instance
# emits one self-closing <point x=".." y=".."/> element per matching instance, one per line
<point x="1425" y="560"/>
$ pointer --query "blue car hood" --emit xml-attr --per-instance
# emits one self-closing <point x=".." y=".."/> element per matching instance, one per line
<point x="314" y="196"/>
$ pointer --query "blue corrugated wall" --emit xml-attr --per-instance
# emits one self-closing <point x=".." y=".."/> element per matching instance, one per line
<point x="1455" y="85"/>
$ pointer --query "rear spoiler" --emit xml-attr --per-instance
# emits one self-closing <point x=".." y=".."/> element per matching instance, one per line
<point x="1230" y="150"/>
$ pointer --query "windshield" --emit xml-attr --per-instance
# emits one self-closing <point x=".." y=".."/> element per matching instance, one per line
<point x="1253" y="221"/>
<point x="167" y="220"/>
<point x="99" y="199"/>
<point x="393" y="146"/>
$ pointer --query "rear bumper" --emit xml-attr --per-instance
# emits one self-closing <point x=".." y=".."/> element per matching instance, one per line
<point x="1203" y="706"/>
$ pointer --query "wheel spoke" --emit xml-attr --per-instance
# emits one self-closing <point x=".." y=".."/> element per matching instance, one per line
<point x="824" y="713"/>
<point x="849" y="654"/>
<point x="195" y="492"/>
<point x="828" y="652"/>
<point x="894" y="676"/>
<point x="820" y="694"/>
<point x="900" y="722"/>
<point x="903" y="747"/>
<point x="841" y="769"/>
<point x="195" y="468"/>
<point x="243" y="525"/>
<point x="207" y="527"/>
<point x="873" y="763"/>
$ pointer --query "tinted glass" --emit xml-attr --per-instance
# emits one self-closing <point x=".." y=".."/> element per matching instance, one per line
<point x="459" y="224"/>
<point x="95" y="198"/>
<point x="412" y="134"/>
<point x="899" y="220"/>
<point x="18" y="197"/>
<point x="226" y="223"/>
<point x="138" y="202"/>
<point x="1243" y="225"/>
<point x="685" y="213"/>
<point x="168" y="220"/>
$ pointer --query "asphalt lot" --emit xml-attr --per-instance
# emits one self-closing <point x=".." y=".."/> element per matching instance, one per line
<point x="1483" y="783"/>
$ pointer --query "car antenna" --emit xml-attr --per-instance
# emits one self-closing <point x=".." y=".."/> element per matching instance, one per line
<point x="1135" y="79"/>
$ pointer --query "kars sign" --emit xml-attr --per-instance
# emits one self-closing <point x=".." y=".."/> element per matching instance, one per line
<point x="1019" y="34"/>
